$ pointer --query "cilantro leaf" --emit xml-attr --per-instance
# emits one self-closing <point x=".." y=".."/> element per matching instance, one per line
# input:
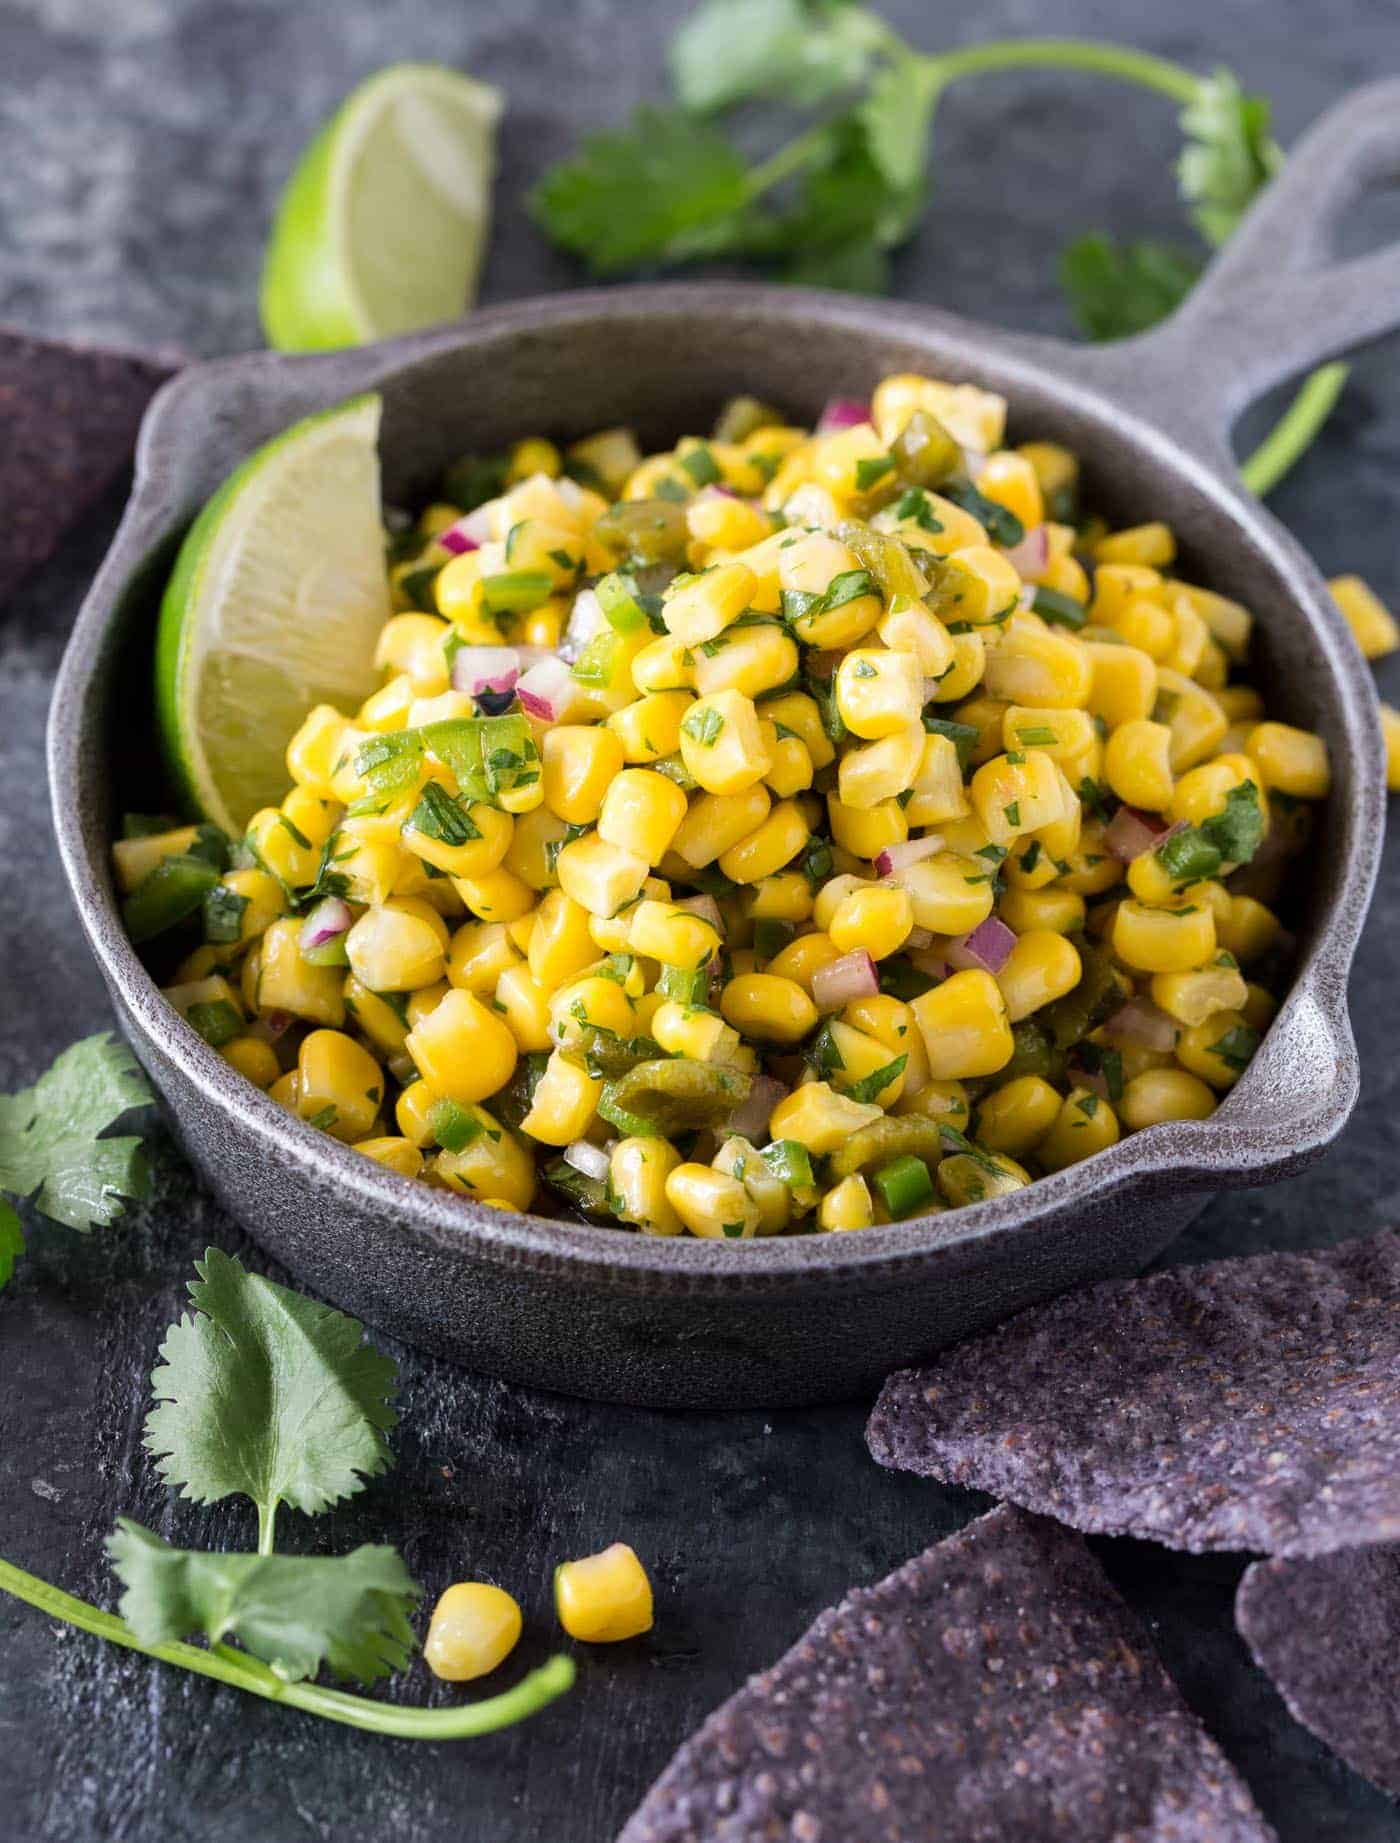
<point x="296" y="1612"/>
<point x="846" y="208"/>
<point x="11" y="1242"/>
<point x="1238" y="831"/>
<point x="1116" y="290"/>
<point x="49" y="1135"/>
<point x="267" y="1394"/>
<point x="663" y="187"/>
<point x="1229" y="155"/>
<point x="877" y="1081"/>
<point x="799" y="49"/>
<point x="896" y="112"/>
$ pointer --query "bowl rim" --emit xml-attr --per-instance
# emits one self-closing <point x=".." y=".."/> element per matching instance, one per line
<point x="1231" y="1147"/>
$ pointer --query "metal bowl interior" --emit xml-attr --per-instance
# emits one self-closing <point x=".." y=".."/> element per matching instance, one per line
<point x="663" y="359"/>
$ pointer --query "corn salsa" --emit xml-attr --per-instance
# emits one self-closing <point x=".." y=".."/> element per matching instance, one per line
<point x="797" y="830"/>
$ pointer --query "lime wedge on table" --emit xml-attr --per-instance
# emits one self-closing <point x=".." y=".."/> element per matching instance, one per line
<point x="275" y="604"/>
<point x="382" y="225"/>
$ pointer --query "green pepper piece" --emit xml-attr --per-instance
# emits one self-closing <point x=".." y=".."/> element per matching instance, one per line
<point x="886" y="558"/>
<point x="1100" y="992"/>
<point x="676" y="1094"/>
<point x="605" y="1054"/>
<point x="895" y="1136"/>
<point x="924" y="452"/>
<point x="166" y="895"/>
<point x="741" y="416"/>
<point x="905" y="1186"/>
<point x="1033" y="1054"/>
<point x="651" y="530"/>
<point x="584" y="1192"/>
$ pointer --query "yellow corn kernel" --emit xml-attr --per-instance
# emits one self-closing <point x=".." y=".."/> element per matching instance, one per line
<point x="663" y="664"/>
<point x="1368" y="617"/>
<point x="1390" y="735"/>
<point x="848" y="1206"/>
<point x="975" y="418"/>
<point x="977" y="584"/>
<point x="1085" y="1124"/>
<point x="579" y="763"/>
<point x="877" y="917"/>
<point x="880" y="771"/>
<point x="285" y="1090"/>
<point x="768" y="1008"/>
<point x="801" y="958"/>
<point x="1195" y="719"/>
<point x="1164" y="1094"/>
<point x="1060" y="911"/>
<point x="1152" y="546"/>
<point x="642" y="813"/>
<point x="394" y="949"/>
<point x="1191" y="998"/>
<point x="790" y="768"/>
<point x="603" y="1598"/>
<point x="909" y="627"/>
<point x="966" y="1178"/>
<point x="255" y="1060"/>
<point x="866" y="831"/>
<point x="1061" y="734"/>
<point x="1031" y="665"/>
<point x="1202" y="792"/>
<point x="525" y="1005"/>
<point x="1144" y="623"/>
<point x="637" y="1173"/>
<point x="878" y="692"/>
<point x="768" y="847"/>
<point x="1011" y="480"/>
<point x="561" y="944"/>
<point x="1228" y="622"/>
<point x="1124" y="682"/>
<point x="1016" y="1116"/>
<point x="945" y="1101"/>
<point x="985" y="715"/>
<point x="341" y="1085"/>
<point x="691" y="1030"/>
<point x="798" y="712"/>
<point x="862" y="1056"/>
<point x="1247" y="929"/>
<point x="819" y="1117"/>
<point x="394" y="1154"/>
<point x="565" y="1102"/>
<point x="1040" y="968"/>
<point x="1163" y="940"/>
<point x="751" y="659"/>
<point x="964" y="1026"/>
<point x="286" y="982"/>
<point x="280" y="848"/>
<point x="810" y="565"/>
<point x="711" y="1203"/>
<point x="425" y="1000"/>
<point x="478" y="857"/>
<point x="586" y="1001"/>
<point x="1219" y="1050"/>
<point x="937" y="785"/>
<point x="412" y="644"/>
<point x="534" y="843"/>
<point x="1012" y="797"/>
<point x="786" y="896"/>
<point x="1190" y="638"/>
<point x="412" y="1112"/>
<point x="376" y="1017"/>
<point x="715" y="822"/>
<point x="599" y="876"/>
<point x="479" y="953"/>
<point x="703" y="606"/>
<point x="950" y="894"/>
<point x="475" y="1626"/>
<point x="265" y="897"/>
<point x="1137" y="764"/>
<point x="664" y="931"/>
<point x="497" y="897"/>
<point x="721" y="744"/>
<point x="1292" y="760"/>
<point x="315" y="749"/>
<point x="1056" y="469"/>
<point x="1259" y="1008"/>
<point x="463" y="1050"/>
<point x="493" y="1166"/>
<point x="651" y="727"/>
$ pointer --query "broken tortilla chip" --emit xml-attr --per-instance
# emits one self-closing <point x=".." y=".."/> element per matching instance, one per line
<point x="1248" y="1404"/>
<point x="995" y="1686"/>
<point x="68" y="421"/>
<point x="1326" y="1630"/>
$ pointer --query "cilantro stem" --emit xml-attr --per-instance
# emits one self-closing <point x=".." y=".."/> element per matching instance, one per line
<point x="267" y="1525"/>
<point x="245" y="1672"/>
<point x="1105" y="60"/>
<point x="1295" y="430"/>
<point x="787" y="161"/>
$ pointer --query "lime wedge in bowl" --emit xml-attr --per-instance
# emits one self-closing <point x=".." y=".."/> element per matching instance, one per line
<point x="275" y="604"/>
<point x="382" y="226"/>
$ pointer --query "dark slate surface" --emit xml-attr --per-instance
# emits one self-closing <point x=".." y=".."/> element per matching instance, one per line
<point x="140" y="148"/>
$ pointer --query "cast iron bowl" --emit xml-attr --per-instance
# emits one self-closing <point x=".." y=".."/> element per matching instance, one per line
<point x="688" y="1323"/>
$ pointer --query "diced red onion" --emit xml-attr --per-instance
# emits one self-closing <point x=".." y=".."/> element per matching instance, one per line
<point x="1030" y="556"/>
<point x="485" y="668"/>
<point x="706" y="908"/>
<point x="986" y="949"/>
<point x="271" y="1025"/>
<point x="1129" y="833"/>
<point x="546" y="689"/>
<point x="715" y="491"/>
<point x="1093" y="1079"/>
<point x="931" y="689"/>
<point x="912" y="851"/>
<point x="751" y="1116"/>
<point x="458" y="539"/>
<point x="843" y="413"/>
<point x="931" y="962"/>
<point x="591" y="1160"/>
<point x="839" y="981"/>
<point x="1141" y="1025"/>
<point x="329" y="918"/>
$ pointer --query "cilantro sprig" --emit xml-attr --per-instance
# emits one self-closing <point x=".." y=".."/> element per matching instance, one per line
<point x="264" y="1394"/>
<point x="831" y="204"/>
<point x="52" y="1146"/>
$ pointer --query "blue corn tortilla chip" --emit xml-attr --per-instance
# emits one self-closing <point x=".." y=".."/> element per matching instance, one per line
<point x="68" y="421"/>
<point x="1326" y="1630"/>
<point x="1249" y="1404"/>
<point x="994" y="1687"/>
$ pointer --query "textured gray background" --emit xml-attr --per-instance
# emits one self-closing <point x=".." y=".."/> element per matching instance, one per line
<point x="141" y="145"/>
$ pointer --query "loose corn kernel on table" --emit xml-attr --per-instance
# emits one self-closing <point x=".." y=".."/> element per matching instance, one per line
<point x="797" y="830"/>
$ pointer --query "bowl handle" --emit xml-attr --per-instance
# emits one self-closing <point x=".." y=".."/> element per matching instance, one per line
<point x="1271" y="303"/>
